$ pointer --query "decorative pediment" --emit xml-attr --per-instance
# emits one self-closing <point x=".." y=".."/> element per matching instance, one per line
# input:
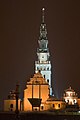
<point x="37" y="79"/>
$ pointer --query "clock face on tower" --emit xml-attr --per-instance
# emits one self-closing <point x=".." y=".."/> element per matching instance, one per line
<point x="43" y="57"/>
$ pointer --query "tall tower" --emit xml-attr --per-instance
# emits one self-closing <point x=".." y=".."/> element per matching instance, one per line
<point x="43" y="64"/>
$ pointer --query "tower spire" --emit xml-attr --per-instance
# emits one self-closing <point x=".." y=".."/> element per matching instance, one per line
<point x="43" y="9"/>
<point x="43" y="64"/>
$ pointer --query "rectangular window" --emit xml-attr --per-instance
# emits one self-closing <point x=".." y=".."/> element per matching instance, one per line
<point x="53" y="105"/>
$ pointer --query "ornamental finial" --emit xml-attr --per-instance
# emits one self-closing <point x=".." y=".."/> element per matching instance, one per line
<point x="43" y="15"/>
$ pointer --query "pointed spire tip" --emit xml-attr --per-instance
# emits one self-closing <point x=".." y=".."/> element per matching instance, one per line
<point x="43" y="14"/>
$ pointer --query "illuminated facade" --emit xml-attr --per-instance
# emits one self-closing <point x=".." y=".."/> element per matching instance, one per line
<point x="54" y="104"/>
<point x="36" y="88"/>
<point x="70" y="96"/>
<point x="10" y="103"/>
<point x="43" y="64"/>
<point x="78" y="101"/>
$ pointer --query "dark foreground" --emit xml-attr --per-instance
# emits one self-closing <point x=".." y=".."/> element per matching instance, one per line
<point x="37" y="116"/>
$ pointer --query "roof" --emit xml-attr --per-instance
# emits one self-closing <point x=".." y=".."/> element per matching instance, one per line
<point x="69" y="89"/>
<point x="52" y="98"/>
<point x="37" y="79"/>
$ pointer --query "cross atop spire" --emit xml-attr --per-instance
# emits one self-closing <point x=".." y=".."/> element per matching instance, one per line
<point x="43" y="9"/>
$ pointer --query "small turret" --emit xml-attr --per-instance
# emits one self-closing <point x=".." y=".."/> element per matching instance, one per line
<point x="70" y="96"/>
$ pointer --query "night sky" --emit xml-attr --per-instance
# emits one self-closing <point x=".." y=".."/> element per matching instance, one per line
<point x="19" y="27"/>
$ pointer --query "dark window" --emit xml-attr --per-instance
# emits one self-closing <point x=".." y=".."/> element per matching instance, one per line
<point x="44" y="76"/>
<point x="37" y="68"/>
<point x="48" y="68"/>
<point x="74" y="101"/>
<point x="35" y="109"/>
<point x="42" y="107"/>
<point x="59" y="105"/>
<point x="68" y="101"/>
<point x="11" y="105"/>
<point x="53" y="105"/>
<point x="48" y="80"/>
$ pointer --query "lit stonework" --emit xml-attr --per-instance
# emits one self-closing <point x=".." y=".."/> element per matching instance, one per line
<point x="37" y="88"/>
<point x="78" y="101"/>
<point x="54" y="104"/>
<point x="10" y="103"/>
<point x="43" y="64"/>
<point x="70" y="96"/>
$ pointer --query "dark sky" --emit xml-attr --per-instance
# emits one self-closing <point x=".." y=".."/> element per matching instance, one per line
<point x="19" y="27"/>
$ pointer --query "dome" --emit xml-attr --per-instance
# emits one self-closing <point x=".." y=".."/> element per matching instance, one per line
<point x="69" y="90"/>
<point x="52" y="98"/>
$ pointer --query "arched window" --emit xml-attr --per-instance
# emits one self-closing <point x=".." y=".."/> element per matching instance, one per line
<point x="48" y="80"/>
<point x="48" y="68"/>
<point x="42" y="107"/>
<point x="44" y="76"/>
<point x="11" y="105"/>
<point x="67" y="101"/>
<point x="37" y="68"/>
<point x="59" y="105"/>
<point x="74" y="101"/>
